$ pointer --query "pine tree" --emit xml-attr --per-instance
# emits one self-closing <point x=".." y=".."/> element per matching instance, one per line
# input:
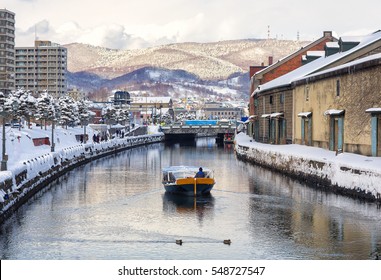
<point x="69" y="111"/>
<point x="27" y="107"/>
<point x="44" y="103"/>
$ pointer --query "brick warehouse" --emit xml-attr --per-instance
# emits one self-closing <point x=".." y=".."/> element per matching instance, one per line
<point x="261" y="75"/>
<point x="288" y="114"/>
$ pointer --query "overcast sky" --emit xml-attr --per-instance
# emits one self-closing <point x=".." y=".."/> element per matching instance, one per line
<point x="143" y="23"/>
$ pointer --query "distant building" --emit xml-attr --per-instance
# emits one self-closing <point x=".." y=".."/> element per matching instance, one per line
<point x="42" y="67"/>
<point x="218" y="111"/>
<point x="7" y="51"/>
<point x="121" y="98"/>
<point x="76" y="94"/>
<point x="143" y="108"/>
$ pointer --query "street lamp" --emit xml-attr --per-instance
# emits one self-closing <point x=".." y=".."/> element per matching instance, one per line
<point x="53" y="144"/>
<point x="85" y="122"/>
<point x="4" y="113"/>
<point x="54" y="118"/>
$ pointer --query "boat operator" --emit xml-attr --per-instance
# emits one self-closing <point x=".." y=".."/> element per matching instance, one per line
<point x="200" y="173"/>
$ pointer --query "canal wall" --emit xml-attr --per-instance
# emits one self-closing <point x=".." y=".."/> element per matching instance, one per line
<point x="345" y="173"/>
<point x="20" y="184"/>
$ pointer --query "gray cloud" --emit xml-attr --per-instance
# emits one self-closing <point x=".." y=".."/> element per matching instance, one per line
<point x="41" y="27"/>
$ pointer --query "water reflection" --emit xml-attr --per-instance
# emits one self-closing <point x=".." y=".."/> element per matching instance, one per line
<point x="319" y="221"/>
<point x="116" y="208"/>
<point x="181" y="204"/>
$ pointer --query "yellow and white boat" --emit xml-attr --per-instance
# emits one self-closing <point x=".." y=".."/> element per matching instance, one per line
<point x="181" y="180"/>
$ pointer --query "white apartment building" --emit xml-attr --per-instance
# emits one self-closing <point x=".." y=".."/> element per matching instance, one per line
<point x="42" y="67"/>
<point x="7" y="51"/>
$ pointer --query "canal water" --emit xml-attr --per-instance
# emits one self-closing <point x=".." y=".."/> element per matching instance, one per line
<point x="116" y="208"/>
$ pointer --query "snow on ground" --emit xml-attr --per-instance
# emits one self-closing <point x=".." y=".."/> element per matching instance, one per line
<point x="20" y="145"/>
<point x="25" y="157"/>
<point x="345" y="169"/>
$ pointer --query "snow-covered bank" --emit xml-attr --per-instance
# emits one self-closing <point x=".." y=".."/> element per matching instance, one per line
<point x="30" y="167"/>
<point x="346" y="173"/>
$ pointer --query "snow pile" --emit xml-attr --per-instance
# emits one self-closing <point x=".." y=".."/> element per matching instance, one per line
<point x="27" y="162"/>
<point x="346" y="170"/>
<point x="20" y="146"/>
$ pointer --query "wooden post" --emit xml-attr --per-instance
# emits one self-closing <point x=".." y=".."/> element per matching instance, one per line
<point x="195" y="186"/>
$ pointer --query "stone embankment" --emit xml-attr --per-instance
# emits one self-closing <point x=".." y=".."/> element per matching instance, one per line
<point x="17" y="186"/>
<point x="347" y="174"/>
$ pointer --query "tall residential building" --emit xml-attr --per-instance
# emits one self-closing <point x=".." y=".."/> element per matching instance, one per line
<point x="7" y="51"/>
<point x="42" y="67"/>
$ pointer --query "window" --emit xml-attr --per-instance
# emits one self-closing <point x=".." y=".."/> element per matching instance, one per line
<point x="338" y="88"/>
<point x="271" y="99"/>
<point x="281" y="98"/>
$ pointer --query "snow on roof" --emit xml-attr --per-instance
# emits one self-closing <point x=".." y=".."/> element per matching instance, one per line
<point x="274" y="115"/>
<point x="305" y="114"/>
<point x="143" y="99"/>
<point x="352" y="39"/>
<point x="332" y="45"/>
<point x="373" y="110"/>
<point x="315" y="53"/>
<point x="316" y="65"/>
<point x="118" y="126"/>
<point x="349" y="64"/>
<point x="333" y="112"/>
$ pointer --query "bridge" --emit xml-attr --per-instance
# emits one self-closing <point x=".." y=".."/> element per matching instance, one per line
<point x="189" y="132"/>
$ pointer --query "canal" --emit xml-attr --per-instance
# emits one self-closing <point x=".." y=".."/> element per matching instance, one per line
<point x="116" y="208"/>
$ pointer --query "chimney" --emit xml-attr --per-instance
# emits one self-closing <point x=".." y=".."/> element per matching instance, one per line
<point x="327" y="33"/>
<point x="270" y="60"/>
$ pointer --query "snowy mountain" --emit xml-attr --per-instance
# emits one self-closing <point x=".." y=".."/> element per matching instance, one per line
<point x="192" y="66"/>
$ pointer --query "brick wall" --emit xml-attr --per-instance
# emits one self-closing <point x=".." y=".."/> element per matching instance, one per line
<point x="293" y="63"/>
<point x="276" y="106"/>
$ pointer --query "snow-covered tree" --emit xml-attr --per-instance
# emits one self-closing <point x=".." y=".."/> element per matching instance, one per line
<point x="45" y="107"/>
<point x="83" y="111"/>
<point x="3" y="99"/>
<point x="166" y="118"/>
<point x="122" y="116"/>
<point x="10" y="105"/>
<point x="84" y="116"/>
<point x="28" y="104"/>
<point x="109" y="114"/>
<point x="69" y="111"/>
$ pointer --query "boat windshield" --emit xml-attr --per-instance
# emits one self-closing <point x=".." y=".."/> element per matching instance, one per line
<point x="172" y="175"/>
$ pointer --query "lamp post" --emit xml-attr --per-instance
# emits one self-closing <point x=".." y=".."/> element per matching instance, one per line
<point x="53" y="144"/>
<point x="54" y="118"/>
<point x="161" y="106"/>
<point x="84" y="131"/>
<point x="4" y="158"/>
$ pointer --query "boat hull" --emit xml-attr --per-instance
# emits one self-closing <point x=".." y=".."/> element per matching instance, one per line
<point x="191" y="186"/>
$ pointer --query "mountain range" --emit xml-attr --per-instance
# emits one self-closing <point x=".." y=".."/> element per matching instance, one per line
<point x="216" y="70"/>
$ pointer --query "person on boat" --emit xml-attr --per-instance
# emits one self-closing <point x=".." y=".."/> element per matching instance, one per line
<point x="200" y="173"/>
